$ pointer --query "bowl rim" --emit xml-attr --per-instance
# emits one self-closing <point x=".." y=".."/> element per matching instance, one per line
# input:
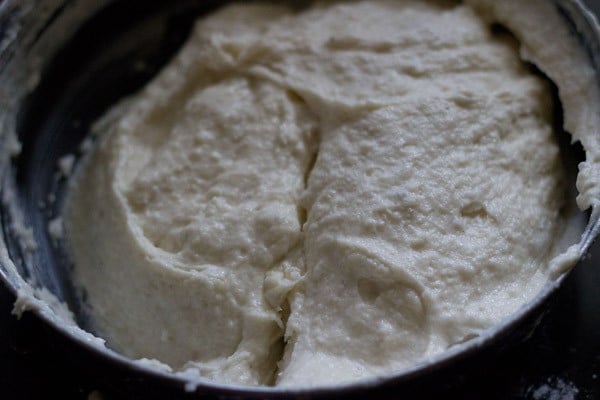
<point x="192" y="384"/>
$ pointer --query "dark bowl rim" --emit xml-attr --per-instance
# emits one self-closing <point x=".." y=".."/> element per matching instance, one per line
<point x="442" y="361"/>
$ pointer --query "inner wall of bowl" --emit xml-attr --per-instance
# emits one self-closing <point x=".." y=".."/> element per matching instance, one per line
<point x="31" y="32"/>
<point x="112" y="55"/>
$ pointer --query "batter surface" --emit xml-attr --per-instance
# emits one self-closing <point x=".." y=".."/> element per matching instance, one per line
<point x="317" y="196"/>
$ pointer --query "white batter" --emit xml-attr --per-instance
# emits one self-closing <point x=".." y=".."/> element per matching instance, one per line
<point x="305" y="198"/>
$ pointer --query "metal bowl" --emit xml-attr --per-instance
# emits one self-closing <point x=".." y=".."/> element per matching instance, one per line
<point x="62" y="64"/>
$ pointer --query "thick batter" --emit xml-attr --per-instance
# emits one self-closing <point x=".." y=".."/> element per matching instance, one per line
<point x="313" y="197"/>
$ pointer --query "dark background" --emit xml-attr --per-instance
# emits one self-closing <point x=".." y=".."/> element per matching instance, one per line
<point x="560" y="361"/>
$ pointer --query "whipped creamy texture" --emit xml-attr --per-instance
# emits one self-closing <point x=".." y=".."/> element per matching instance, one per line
<point x="318" y="196"/>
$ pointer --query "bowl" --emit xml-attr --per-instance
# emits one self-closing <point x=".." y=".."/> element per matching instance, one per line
<point x="62" y="64"/>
